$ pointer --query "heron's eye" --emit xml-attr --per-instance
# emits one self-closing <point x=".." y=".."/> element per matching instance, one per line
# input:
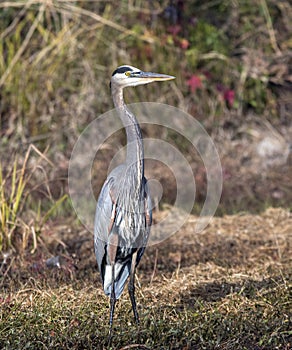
<point x="128" y="73"/>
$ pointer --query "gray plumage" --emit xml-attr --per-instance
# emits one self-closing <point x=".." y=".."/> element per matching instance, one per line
<point x="129" y="224"/>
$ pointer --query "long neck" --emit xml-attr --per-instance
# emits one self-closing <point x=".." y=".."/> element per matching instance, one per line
<point x="135" y="149"/>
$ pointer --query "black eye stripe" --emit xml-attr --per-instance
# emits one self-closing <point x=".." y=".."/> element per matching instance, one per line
<point x="121" y="70"/>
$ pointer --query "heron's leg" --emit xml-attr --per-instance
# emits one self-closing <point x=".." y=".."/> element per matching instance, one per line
<point x="131" y="287"/>
<point x="112" y="302"/>
<point x="112" y="252"/>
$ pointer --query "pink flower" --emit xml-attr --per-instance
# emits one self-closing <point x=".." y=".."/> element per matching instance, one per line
<point x="184" y="44"/>
<point x="229" y="96"/>
<point x="174" y="30"/>
<point x="195" y="82"/>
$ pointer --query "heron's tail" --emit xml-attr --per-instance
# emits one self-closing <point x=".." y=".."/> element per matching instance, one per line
<point x="122" y="272"/>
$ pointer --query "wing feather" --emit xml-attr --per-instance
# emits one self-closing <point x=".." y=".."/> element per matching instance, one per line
<point x="102" y="224"/>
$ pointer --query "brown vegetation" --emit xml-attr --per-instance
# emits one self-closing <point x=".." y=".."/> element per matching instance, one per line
<point x="226" y="288"/>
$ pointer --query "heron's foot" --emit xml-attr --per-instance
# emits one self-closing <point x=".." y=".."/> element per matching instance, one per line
<point x="109" y="339"/>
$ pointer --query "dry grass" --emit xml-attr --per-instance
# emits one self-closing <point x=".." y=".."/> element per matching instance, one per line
<point x="227" y="288"/>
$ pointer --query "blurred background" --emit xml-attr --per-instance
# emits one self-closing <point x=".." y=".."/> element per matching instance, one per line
<point x="233" y="66"/>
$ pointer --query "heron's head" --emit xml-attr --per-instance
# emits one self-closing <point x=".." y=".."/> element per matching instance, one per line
<point x="125" y="76"/>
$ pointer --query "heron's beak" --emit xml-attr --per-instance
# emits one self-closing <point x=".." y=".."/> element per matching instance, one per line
<point x="149" y="76"/>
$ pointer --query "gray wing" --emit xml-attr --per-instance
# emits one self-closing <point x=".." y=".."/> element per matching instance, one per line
<point x="148" y="212"/>
<point x="102" y="222"/>
<point x="103" y="213"/>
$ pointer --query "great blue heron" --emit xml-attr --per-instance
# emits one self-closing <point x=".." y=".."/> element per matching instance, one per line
<point x="123" y="212"/>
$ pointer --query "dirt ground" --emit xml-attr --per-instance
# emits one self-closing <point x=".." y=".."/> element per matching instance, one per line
<point x="225" y="288"/>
